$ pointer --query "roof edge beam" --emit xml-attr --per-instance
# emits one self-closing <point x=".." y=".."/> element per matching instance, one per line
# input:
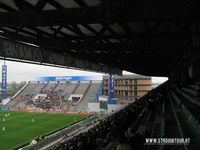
<point x="29" y="53"/>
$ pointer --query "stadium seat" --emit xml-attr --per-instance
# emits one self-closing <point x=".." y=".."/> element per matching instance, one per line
<point x="190" y="91"/>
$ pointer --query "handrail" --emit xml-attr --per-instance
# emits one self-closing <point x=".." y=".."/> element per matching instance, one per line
<point x="53" y="89"/>
<point x="42" y="90"/>
<point x="74" y="90"/>
<point x="20" y="90"/>
<point x="85" y="92"/>
<point x="83" y="97"/>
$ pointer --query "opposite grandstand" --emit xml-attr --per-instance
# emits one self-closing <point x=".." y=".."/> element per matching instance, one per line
<point x="75" y="95"/>
<point x="65" y="96"/>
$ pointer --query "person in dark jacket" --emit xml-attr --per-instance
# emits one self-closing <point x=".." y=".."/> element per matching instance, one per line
<point x="136" y="138"/>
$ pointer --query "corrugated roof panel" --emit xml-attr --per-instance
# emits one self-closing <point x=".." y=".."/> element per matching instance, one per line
<point x="68" y="3"/>
<point x="33" y="2"/>
<point x="21" y="33"/>
<point x="96" y="27"/>
<point x="133" y="76"/>
<point x="9" y="29"/>
<point x="49" y="7"/>
<point x="107" y="33"/>
<point x="56" y="27"/>
<point x="85" y="31"/>
<point x="67" y="31"/>
<point x="10" y="3"/>
<point x="27" y="29"/>
<point x="46" y="29"/>
<point x="117" y="28"/>
<point x="92" y="2"/>
<point x="3" y="10"/>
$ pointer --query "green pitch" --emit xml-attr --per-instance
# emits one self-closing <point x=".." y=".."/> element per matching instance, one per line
<point x="21" y="127"/>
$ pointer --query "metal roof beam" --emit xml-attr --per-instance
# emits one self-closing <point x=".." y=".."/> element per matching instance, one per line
<point x="81" y="3"/>
<point x="5" y="7"/>
<point x="27" y="53"/>
<point x="24" y="5"/>
<point x="83" y="15"/>
<point x="41" y="3"/>
<point x="115" y="12"/>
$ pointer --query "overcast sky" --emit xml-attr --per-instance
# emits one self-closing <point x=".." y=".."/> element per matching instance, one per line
<point x="27" y="72"/>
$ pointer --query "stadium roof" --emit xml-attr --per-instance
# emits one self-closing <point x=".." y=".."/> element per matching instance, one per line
<point x="126" y="77"/>
<point x="145" y="37"/>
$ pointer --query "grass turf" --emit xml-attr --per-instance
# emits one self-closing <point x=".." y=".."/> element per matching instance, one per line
<point x="19" y="128"/>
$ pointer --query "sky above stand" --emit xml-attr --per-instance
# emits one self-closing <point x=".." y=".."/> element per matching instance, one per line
<point x="17" y="71"/>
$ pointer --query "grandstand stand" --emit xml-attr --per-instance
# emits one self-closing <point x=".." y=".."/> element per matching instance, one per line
<point x="38" y="88"/>
<point x="82" y="90"/>
<point x="27" y="90"/>
<point x="48" y="88"/>
<point x="20" y="104"/>
<point x="60" y="87"/>
<point x="68" y="90"/>
<point x="55" y="95"/>
<point x="20" y="91"/>
<point x="11" y="103"/>
<point x="90" y="97"/>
